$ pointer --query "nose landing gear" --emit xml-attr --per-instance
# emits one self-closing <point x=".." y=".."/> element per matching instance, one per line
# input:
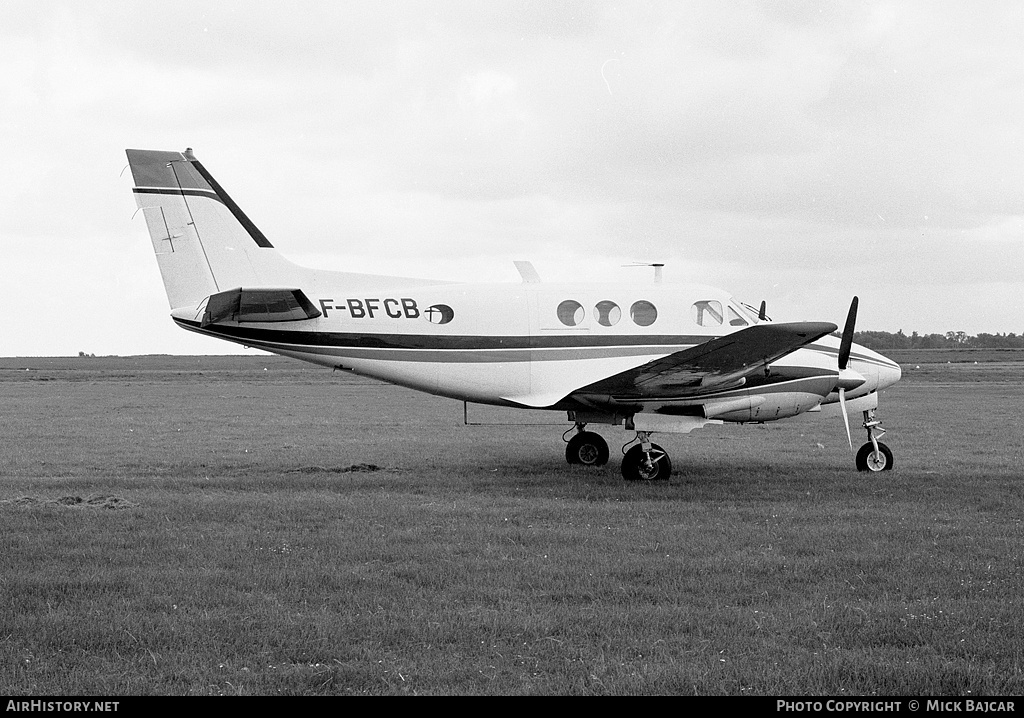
<point x="874" y="455"/>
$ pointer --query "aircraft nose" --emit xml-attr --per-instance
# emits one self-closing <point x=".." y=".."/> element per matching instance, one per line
<point x="880" y="371"/>
<point x="888" y="374"/>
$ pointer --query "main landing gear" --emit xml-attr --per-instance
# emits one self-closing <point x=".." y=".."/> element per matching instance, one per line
<point x="644" y="462"/>
<point x="874" y="455"/>
<point x="586" y="447"/>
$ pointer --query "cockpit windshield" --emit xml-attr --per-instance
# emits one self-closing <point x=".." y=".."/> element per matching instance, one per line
<point x="752" y="312"/>
<point x="736" y="319"/>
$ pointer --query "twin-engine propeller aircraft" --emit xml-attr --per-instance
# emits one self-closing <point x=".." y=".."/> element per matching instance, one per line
<point x="650" y="357"/>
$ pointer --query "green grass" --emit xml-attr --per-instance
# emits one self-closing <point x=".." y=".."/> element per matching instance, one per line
<point x="202" y="526"/>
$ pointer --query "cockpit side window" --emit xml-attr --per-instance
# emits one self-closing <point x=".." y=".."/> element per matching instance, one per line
<point x="707" y="313"/>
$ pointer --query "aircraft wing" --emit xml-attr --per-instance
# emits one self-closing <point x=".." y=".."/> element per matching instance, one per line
<point x="716" y="364"/>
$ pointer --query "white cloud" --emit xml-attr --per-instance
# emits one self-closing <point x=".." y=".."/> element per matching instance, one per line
<point x="799" y="153"/>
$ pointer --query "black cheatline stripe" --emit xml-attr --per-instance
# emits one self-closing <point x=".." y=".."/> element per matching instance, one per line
<point x="444" y="355"/>
<point x="251" y="228"/>
<point x="426" y="341"/>
<point x="834" y="352"/>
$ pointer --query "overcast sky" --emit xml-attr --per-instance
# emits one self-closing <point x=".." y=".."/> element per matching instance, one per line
<point x="796" y="152"/>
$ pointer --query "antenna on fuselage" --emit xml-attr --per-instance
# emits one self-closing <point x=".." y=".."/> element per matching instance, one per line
<point x="527" y="272"/>
<point x="657" y="268"/>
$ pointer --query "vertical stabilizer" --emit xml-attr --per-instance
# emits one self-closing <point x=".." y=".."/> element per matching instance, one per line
<point x="203" y="241"/>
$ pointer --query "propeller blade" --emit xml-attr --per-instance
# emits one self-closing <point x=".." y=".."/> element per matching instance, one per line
<point x="762" y="314"/>
<point x="847" y="341"/>
<point x="846" y="418"/>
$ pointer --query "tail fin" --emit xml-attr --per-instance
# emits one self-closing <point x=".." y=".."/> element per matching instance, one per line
<point x="204" y="243"/>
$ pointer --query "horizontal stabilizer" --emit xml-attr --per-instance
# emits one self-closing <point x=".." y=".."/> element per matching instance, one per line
<point x="259" y="305"/>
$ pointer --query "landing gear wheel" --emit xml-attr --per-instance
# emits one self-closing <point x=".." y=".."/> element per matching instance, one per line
<point x="636" y="467"/>
<point x="870" y="460"/>
<point x="587" y="448"/>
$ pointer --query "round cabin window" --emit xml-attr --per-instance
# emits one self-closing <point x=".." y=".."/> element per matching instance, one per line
<point x="608" y="313"/>
<point x="643" y="313"/>
<point x="570" y="313"/>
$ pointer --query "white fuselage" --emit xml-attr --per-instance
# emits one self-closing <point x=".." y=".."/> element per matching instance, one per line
<point x="533" y="345"/>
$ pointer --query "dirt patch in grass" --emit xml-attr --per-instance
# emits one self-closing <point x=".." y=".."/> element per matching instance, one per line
<point x="92" y="502"/>
<point x="353" y="469"/>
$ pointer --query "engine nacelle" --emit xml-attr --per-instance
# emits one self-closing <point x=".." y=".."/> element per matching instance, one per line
<point x="758" y="408"/>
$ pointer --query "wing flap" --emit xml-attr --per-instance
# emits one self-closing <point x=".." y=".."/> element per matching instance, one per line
<point x="722" y="362"/>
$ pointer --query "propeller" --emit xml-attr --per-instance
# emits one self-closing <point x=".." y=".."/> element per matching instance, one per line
<point x="848" y="378"/>
<point x="847" y="342"/>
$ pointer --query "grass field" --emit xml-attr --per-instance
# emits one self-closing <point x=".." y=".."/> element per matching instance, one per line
<point x="253" y="525"/>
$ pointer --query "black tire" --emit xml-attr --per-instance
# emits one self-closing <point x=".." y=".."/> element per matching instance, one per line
<point x="869" y="460"/>
<point x="634" y="468"/>
<point x="587" y="448"/>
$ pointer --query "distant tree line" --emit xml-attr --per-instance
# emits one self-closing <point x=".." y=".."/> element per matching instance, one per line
<point x="949" y="340"/>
